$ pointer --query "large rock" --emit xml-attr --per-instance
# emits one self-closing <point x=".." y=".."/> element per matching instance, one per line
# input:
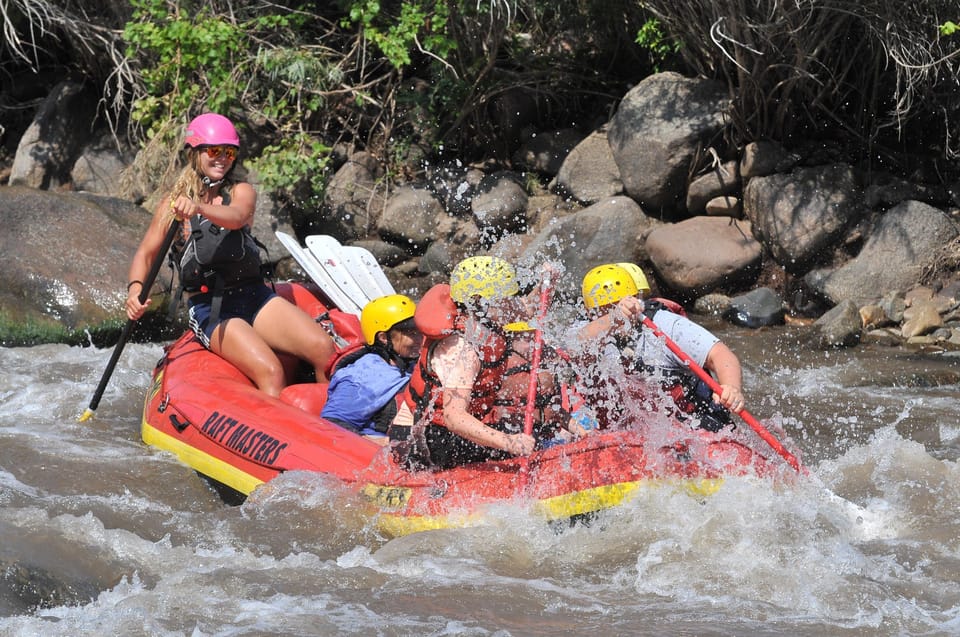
<point x="500" y="205"/>
<point x="704" y="254"/>
<point x="353" y="201"/>
<point x="765" y="158"/>
<point x="65" y="256"/>
<point x="661" y="125"/>
<point x="719" y="180"/>
<point x="545" y="151"/>
<point x="757" y="308"/>
<point x="410" y="219"/>
<point x="609" y="231"/>
<point x="50" y="145"/>
<point x="799" y="215"/>
<point x="589" y="173"/>
<point x="904" y="241"/>
<point x="839" y="327"/>
<point x="99" y="168"/>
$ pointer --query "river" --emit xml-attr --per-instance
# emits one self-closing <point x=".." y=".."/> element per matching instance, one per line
<point x="102" y="535"/>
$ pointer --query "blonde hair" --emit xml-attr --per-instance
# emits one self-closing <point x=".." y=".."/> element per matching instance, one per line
<point x="190" y="181"/>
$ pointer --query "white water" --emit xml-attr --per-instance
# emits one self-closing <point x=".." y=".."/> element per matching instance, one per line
<point x="102" y="535"/>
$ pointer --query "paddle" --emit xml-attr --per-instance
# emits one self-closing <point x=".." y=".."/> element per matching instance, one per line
<point x="128" y="328"/>
<point x="545" y="292"/>
<point x="715" y="387"/>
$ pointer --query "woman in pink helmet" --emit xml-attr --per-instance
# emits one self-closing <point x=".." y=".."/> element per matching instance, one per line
<point x="232" y="311"/>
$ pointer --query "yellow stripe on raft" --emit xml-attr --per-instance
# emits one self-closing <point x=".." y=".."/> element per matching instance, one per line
<point x="202" y="462"/>
<point x="556" y="508"/>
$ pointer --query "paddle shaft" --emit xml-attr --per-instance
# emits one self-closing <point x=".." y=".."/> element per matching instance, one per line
<point x="128" y="328"/>
<point x="535" y="360"/>
<point x="715" y="387"/>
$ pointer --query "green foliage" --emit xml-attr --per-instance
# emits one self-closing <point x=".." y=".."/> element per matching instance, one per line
<point x="419" y="24"/>
<point x="295" y="163"/>
<point x="195" y="60"/>
<point x="185" y="53"/>
<point x="659" y="47"/>
<point x="949" y="28"/>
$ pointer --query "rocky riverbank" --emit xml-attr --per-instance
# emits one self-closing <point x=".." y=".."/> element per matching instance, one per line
<point x="760" y="234"/>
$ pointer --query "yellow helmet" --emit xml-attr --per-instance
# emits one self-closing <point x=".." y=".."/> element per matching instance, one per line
<point x="639" y="278"/>
<point x="486" y="277"/>
<point x="606" y="284"/>
<point x="380" y="314"/>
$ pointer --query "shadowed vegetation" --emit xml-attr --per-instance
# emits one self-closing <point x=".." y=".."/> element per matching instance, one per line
<point x="417" y="80"/>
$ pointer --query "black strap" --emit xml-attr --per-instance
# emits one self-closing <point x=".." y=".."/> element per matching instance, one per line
<point x="216" y="300"/>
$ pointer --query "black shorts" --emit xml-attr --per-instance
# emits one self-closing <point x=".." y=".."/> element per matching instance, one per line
<point x="241" y="302"/>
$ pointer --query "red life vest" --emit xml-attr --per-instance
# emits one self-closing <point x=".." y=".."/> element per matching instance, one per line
<point x="438" y="317"/>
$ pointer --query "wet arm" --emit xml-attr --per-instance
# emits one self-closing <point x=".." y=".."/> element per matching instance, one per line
<point x="726" y="367"/>
<point x="458" y="420"/>
<point x="147" y="253"/>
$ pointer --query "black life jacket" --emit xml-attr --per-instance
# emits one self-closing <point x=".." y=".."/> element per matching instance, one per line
<point x="214" y="259"/>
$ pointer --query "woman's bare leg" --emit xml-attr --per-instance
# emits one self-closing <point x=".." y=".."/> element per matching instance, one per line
<point x="238" y="343"/>
<point x="287" y="328"/>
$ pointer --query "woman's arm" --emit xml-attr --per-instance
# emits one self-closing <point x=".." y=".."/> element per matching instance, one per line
<point x="236" y="215"/>
<point x="145" y="256"/>
<point x="726" y="367"/>
<point x="458" y="420"/>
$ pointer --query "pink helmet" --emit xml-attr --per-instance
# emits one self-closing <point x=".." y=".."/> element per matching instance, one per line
<point x="211" y="129"/>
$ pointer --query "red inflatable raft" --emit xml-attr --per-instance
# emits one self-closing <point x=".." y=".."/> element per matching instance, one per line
<point x="205" y="411"/>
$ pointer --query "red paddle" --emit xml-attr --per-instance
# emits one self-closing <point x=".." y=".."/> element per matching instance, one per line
<point x="545" y="292"/>
<point x="715" y="387"/>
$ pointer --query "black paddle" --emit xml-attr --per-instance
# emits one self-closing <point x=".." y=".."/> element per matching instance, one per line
<point x="125" y="334"/>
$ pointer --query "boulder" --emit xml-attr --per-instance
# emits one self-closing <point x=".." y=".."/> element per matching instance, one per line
<point x="765" y="158"/>
<point x="838" y="327"/>
<point x="454" y="186"/>
<point x="545" y="151"/>
<point x="410" y="219"/>
<point x="758" y="308"/>
<point x="589" y="173"/>
<point x="609" y="231"/>
<point x="500" y="205"/>
<point x="799" y="215"/>
<point x="98" y="170"/>
<point x="353" y="201"/>
<point x="65" y="256"/>
<point x="719" y="180"/>
<point x="50" y="145"/>
<point x="902" y="243"/>
<point x="660" y="127"/>
<point x="704" y="254"/>
<point x="725" y="206"/>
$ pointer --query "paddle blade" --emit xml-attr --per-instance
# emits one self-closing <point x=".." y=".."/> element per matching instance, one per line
<point x="86" y="415"/>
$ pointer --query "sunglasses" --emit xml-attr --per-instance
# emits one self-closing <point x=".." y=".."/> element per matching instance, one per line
<point x="215" y="151"/>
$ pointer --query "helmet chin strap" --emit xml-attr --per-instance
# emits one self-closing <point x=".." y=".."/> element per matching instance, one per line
<point x="209" y="183"/>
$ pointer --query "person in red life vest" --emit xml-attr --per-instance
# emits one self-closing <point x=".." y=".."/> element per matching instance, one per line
<point x="613" y="294"/>
<point x="232" y="311"/>
<point x="447" y="417"/>
<point x="365" y="384"/>
<point x="553" y="418"/>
